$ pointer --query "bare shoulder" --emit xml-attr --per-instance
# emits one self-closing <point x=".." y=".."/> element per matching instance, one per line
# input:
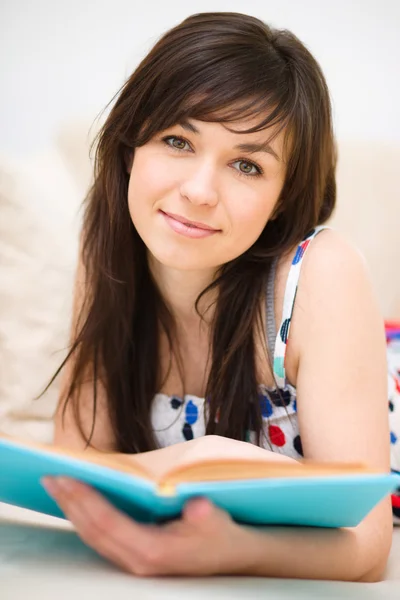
<point x="335" y="286"/>
<point x="332" y="256"/>
<point x="335" y="293"/>
<point x="330" y="260"/>
<point x="334" y="274"/>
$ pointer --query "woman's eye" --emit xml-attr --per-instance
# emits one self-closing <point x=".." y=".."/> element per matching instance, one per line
<point x="248" y="168"/>
<point x="175" y="142"/>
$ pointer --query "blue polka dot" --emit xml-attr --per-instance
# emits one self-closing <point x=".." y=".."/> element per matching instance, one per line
<point x="266" y="406"/>
<point x="393" y="438"/>
<point x="191" y="413"/>
<point x="284" y="330"/>
<point x="298" y="446"/>
<point x="295" y="405"/>
<point x="187" y="432"/>
<point x="176" y="402"/>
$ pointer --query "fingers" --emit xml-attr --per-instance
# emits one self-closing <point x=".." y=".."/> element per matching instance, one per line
<point x="204" y="515"/>
<point x="189" y="546"/>
<point x="112" y="534"/>
<point x="197" y="510"/>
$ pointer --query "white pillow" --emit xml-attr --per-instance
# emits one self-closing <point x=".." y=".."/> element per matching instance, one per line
<point x="39" y="230"/>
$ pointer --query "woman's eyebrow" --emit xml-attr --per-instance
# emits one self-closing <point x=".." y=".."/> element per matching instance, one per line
<point x="261" y="147"/>
<point x="250" y="148"/>
<point x="188" y="126"/>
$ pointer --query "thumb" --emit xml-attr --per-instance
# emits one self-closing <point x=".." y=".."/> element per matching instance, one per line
<point x="201" y="512"/>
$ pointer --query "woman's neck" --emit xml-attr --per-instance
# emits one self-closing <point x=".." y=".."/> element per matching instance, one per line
<point x="180" y="290"/>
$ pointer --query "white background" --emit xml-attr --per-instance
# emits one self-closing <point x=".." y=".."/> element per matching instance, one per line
<point x="61" y="60"/>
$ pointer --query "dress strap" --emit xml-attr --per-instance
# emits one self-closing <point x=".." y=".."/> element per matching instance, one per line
<point x="270" y="307"/>
<point x="288" y="306"/>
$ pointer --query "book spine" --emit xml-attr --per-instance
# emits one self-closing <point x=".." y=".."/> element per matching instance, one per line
<point x="166" y="490"/>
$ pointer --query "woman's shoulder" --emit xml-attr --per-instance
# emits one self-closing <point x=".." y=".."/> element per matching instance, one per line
<point x="334" y="285"/>
<point x="334" y="274"/>
<point x="329" y="250"/>
<point x="328" y="283"/>
<point x="331" y="260"/>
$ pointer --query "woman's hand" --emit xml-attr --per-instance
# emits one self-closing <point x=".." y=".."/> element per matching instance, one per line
<point x="205" y="541"/>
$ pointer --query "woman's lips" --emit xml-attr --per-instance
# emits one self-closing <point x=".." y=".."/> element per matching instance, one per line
<point x="188" y="228"/>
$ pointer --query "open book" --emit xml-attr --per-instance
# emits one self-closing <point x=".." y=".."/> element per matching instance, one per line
<point x="253" y="490"/>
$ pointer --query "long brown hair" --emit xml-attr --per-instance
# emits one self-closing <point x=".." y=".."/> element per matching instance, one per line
<point x="217" y="67"/>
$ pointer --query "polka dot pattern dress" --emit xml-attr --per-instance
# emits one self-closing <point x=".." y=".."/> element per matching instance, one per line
<point x="393" y="348"/>
<point x="176" y="419"/>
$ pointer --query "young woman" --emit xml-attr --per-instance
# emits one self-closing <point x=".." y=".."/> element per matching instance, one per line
<point x="212" y="307"/>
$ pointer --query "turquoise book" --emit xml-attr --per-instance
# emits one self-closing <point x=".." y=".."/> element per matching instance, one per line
<point x="254" y="491"/>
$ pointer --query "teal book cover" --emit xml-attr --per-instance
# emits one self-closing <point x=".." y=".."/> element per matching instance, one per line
<point x="331" y="500"/>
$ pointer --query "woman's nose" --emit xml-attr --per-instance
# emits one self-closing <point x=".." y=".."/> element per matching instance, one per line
<point x="199" y="186"/>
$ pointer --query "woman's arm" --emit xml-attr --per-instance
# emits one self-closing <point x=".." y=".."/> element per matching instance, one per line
<point x="337" y="333"/>
<point x="352" y="554"/>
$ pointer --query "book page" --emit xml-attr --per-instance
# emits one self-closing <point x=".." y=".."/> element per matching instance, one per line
<point x="214" y="458"/>
<point x="184" y="455"/>
<point x="117" y="461"/>
<point x="210" y="458"/>
<point x="231" y="469"/>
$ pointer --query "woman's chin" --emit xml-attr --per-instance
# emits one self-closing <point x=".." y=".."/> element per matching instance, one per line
<point x="184" y="263"/>
<point x="182" y="260"/>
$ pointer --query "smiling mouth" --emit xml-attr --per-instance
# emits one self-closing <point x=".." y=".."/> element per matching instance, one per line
<point x="188" y="223"/>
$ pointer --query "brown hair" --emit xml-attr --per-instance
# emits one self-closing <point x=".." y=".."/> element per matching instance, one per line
<point x="217" y="67"/>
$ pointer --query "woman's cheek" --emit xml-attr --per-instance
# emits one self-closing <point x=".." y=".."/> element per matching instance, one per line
<point x="250" y="215"/>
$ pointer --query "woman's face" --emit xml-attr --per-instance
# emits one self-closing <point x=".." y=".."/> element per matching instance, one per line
<point x="200" y="195"/>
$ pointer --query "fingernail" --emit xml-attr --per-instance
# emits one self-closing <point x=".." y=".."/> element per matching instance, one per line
<point x="65" y="484"/>
<point x="199" y="508"/>
<point x="50" y="485"/>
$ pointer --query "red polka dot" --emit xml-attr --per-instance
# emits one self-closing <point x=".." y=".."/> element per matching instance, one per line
<point x="276" y="435"/>
<point x="396" y="501"/>
<point x="397" y="382"/>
